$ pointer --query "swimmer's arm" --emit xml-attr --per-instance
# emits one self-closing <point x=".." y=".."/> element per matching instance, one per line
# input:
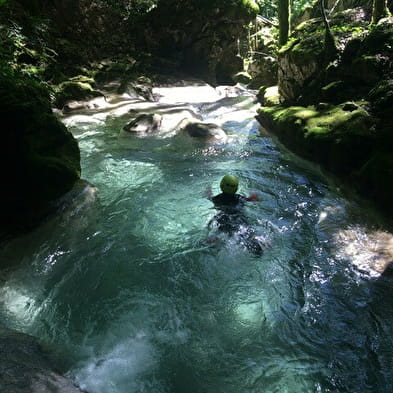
<point x="253" y="197"/>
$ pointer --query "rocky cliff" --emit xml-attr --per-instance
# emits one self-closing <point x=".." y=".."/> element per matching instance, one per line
<point x="337" y="113"/>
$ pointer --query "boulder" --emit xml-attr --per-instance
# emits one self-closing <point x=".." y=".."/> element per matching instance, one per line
<point x="341" y="112"/>
<point x="263" y="71"/>
<point x="204" y="131"/>
<point x="39" y="156"/>
<point x="229" y="65"/>
<point x="340" y="138"/>
<point x="141" y="88"/>
<point x="299" y="61"/>
<point x="302" y="71"/>
<point x="74" y="91"/>
<point x="26" y="367"/>
<point x="271" y="96"/>
<point x="145" y="123"/>
<point x="242" y="77"/>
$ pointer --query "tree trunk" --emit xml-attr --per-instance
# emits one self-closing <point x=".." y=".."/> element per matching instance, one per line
<point x="380" y="10"/>
<point x="284" y="16"/>
<point x="330" y="47"/>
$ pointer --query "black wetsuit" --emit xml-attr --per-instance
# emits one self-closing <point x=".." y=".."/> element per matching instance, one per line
<point x="231" y="219"/>
<point x="230" y="212"/>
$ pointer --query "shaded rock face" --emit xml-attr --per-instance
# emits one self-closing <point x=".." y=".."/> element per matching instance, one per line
<point x="299" y="64"/>
<point x="200" y="36"/>
<point x="301" y="72"/>
<point x="340" y="138"/>
<point x="25" y="367"/>
<point x="263" y="71"/>
<point x="39" y="156"/>
<point x="90" y="22"/>
<point x="364" y="59"/>
<point x="263" y="66"/>
<point x="363" y="72"/>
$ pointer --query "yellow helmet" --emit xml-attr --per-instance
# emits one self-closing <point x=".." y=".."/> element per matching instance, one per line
<point x="229" y="184"/>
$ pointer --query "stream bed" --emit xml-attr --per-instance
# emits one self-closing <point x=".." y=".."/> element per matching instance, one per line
<point x="125" y="288"/>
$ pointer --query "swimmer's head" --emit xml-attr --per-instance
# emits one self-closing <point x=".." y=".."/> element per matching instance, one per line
<point x="229" y="184"/>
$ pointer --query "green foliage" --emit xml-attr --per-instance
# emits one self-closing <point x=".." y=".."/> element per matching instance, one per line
<point x="267" y="8"/>
<point x="131" y="8"/>
<point x="29" y="55"/>
<point x="299" y="6"/>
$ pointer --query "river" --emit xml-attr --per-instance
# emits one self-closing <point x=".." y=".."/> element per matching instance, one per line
<point x="125" y="288"/>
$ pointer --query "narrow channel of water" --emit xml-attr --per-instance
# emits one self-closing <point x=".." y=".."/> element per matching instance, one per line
<point x="125" y="287"/>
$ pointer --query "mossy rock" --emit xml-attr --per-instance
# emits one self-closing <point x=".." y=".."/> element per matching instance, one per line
<point x="381" y="95"/>
<point x="74" y="90"/>
<point x="380" y="38"/>
<point x="271" y="96"/>
<point x="242" y="77"/>
<point x="84" y="79"/>
<point x="110" y="70"/>
<point x="340" y="138"/>
<point x="40" y="157"/>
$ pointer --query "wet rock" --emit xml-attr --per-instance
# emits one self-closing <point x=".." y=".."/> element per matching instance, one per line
<point x="145" y="123"/>
<point x="173" y="119"/>
<point x="271" y="96"/>
<point x="340" y="137"/>
<point x="41" y="157"/>
<point x="204" y="131"/>
<point x="26" y="367"/>
<point x="242" y="77"/>
<point x="141" y="89"/>
<point x="74" y="91"/>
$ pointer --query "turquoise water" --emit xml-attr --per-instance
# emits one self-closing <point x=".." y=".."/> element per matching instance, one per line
<point x="125" y="289"/>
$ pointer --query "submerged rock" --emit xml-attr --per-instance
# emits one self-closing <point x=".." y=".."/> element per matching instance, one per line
<point x="26" y="367"/>
<point x="205" y="131"/>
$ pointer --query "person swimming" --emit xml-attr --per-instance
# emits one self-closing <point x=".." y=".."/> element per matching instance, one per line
<point x="230" y="217"/>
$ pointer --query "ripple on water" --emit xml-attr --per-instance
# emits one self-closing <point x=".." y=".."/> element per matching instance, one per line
<point x="127" y="289"/>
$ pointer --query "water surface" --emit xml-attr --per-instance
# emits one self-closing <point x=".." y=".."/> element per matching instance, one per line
<point x="125" y="288"/>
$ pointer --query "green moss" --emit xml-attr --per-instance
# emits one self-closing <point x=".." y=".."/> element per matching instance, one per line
<point x="382" y="95"/>
<point x="338" y="118"/>
<point x="242" y="77"/>
<point x="271" y="96"/>
<point x="250" y="6"/>
<point x="338" y="137"/>
<point x="83" y="79"/>
<point x="73" y="90"/>
<point x="292" y="113"/>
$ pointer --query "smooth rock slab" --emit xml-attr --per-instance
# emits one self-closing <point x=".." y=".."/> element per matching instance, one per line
<point x="26" y="368"/>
